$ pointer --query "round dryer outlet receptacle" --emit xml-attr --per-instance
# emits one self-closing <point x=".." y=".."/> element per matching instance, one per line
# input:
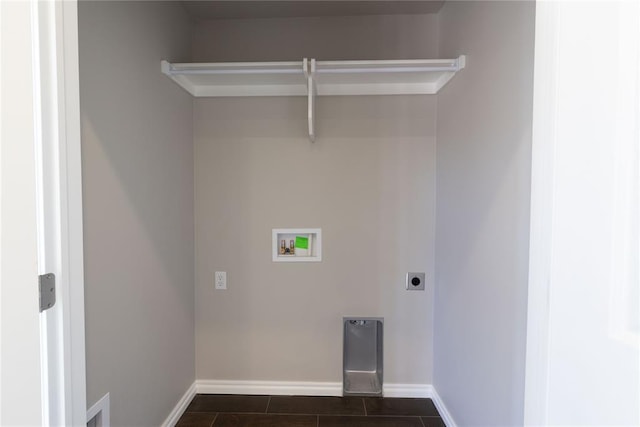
<point x="415" y="281"/>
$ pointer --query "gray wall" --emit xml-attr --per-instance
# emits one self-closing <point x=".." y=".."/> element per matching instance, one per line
<point x="323" y="38"/>
<point x="483" y="190"/>
<point x="137" y="154"/>
<point x="368" y="182"/>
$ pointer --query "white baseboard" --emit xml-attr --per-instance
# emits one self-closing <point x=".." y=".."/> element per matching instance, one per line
<point x="442" y="409"/>
<point x="102" y="408"/>
<point x="285" y="388"/>
<point x="300" y="388"/>
<point x="180" y="407"/>
<point x="407" y="390"/>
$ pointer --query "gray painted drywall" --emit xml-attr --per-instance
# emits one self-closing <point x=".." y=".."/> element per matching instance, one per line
<point x="137" y="159"/>
<point x="206" y="10"/>
<point x="323" y="38"/>
<point x="368" y="182"/>
<point x="482" y="220"/>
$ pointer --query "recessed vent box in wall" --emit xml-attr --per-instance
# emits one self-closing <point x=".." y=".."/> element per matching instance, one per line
<point x="362" y="356"/>
<point x="313" y="78"/>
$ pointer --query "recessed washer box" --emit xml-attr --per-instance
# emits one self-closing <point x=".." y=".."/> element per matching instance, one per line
<point x="296" y="245"/>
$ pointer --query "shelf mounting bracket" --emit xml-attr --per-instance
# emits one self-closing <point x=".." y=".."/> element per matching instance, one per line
<point x="309" y="72"/>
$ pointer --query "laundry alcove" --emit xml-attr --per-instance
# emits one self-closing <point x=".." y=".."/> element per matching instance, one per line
<point x="406" y="174"/>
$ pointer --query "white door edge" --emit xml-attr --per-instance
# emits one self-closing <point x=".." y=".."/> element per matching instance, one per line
<point x="540" y="243"/>
<point x="20" y="359"/>
<point x="579" y="306"/>
<point x="60" y="211"/>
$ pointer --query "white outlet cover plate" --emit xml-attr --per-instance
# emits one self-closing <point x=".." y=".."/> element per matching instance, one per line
<point x="221" y="280"/>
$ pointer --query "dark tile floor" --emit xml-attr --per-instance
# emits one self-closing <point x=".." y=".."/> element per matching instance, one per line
<point x="210" y="410"/>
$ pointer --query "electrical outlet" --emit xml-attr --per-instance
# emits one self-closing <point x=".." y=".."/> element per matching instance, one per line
<point x="415" y="281"/>
<point x="221" y="280"/>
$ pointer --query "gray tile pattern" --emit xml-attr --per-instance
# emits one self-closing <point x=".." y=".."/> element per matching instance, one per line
<point x="402" y="407"/>
<point x="228" y="403"/>
<point x="266" y="420"/>
<point x="433" y="422"/>
<point x="306" y="411"/>
<point x="316" y="405"/>
<point x="346" y="421"/>
<point x="197" y="419"/>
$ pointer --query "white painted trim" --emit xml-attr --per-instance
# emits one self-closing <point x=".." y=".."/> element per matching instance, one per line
<point x="71" y="172"/>
<point x="442" y="408"/>
<point x="407" y="390"/>
<point x="302" y="388"/>
<point x="545" y="98"/>
<point x="102" y="407"/>
<point x="180" y="407"/>
<point x="52" y="209"/>
<point x="47" y="192"/>
<point x="625" y="246"/>
<point x="1" y="258"/>
<point x="62" y="204"/>
<point x="60" y="209"/>
<point x="285" y="388"/>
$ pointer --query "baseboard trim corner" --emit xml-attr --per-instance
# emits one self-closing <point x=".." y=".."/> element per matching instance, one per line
<point x="180" y="407"/>
<point x="442" y="408"/>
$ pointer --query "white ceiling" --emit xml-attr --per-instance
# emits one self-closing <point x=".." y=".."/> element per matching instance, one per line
<point x="248" y="9"/>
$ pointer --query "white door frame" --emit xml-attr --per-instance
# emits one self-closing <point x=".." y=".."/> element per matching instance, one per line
<point x="67" y="22"/>
<point x="59" y="180"/>
<point x="554" y="19"/>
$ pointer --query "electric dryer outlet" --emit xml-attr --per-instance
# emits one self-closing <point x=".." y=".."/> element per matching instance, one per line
<point x="415" y="281"/>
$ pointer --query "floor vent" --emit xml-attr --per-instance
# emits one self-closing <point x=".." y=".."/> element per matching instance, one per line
<point x="98" y="414"/>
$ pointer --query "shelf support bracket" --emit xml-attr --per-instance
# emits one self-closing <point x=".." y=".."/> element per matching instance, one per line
<point x="311" y="96"/>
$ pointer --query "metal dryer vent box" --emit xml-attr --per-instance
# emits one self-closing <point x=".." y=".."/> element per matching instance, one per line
<point x="362" y="356"/>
